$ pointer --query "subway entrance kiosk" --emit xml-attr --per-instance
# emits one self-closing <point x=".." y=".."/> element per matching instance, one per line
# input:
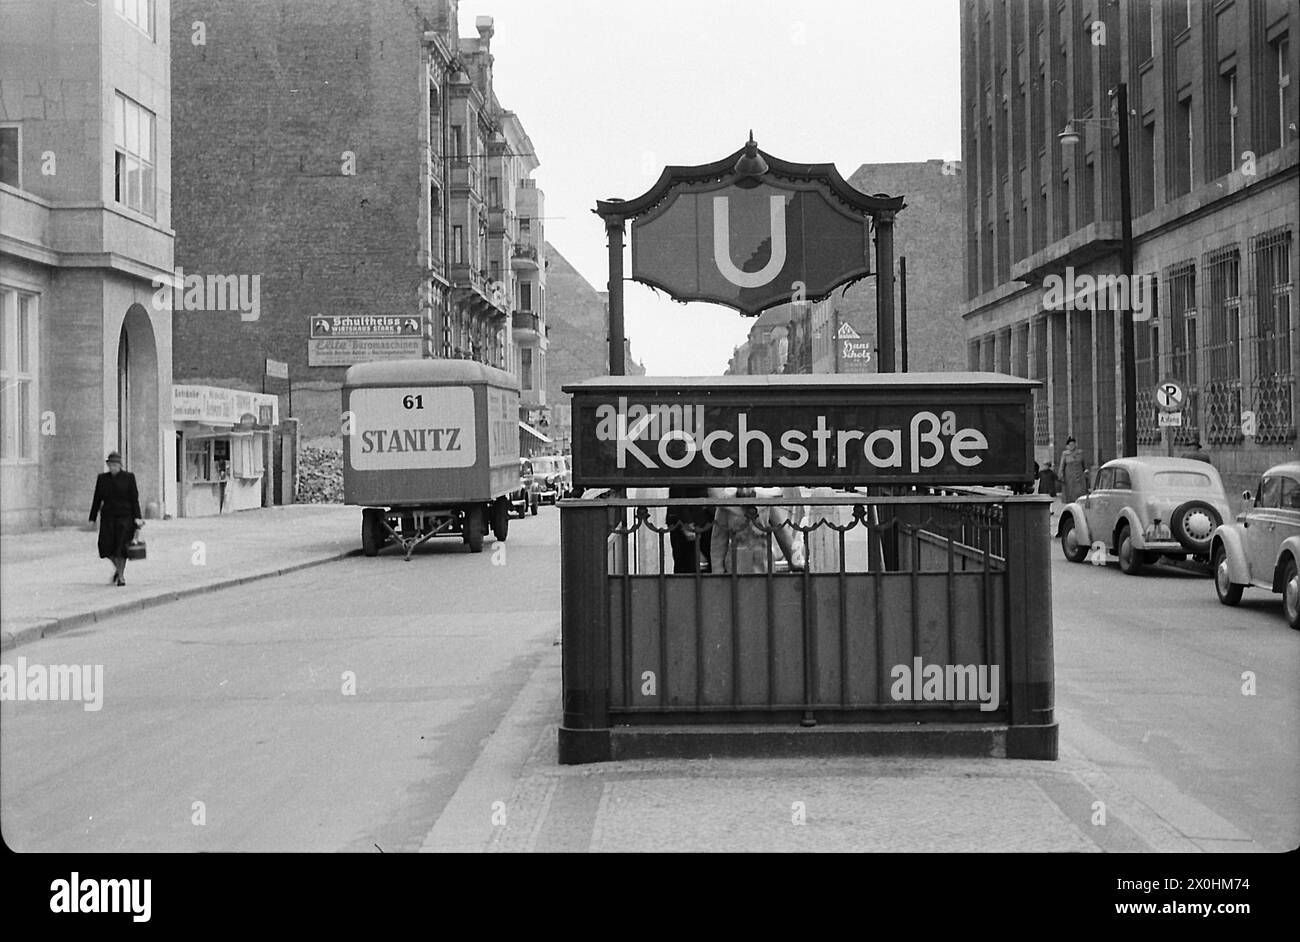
<point x="918" y="619"/>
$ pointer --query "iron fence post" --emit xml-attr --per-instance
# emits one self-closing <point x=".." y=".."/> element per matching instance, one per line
<point x="1032" y="728"/>
<point x="584" y="731"/>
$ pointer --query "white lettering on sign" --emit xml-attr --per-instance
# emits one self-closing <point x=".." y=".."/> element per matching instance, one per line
<point x="644" y="437"/>
<point x="856" y="350"/>
<point x="722" y="244"/>
<point x="402" y="427"/>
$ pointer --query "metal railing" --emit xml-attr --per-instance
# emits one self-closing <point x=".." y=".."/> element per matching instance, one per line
<point x="872" y="583"/>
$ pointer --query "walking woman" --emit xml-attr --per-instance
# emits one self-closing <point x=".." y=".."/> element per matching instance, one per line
<point x="1074" y="472"/>
<point x="117" y="504"/>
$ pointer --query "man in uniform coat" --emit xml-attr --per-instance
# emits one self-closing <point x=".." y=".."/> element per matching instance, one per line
<point x="117" y="504"/>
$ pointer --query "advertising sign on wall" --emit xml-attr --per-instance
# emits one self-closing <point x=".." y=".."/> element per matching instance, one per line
<point x="341" y="340"/>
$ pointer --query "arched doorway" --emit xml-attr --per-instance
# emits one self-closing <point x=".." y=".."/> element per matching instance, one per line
<point x="136" y="405"/>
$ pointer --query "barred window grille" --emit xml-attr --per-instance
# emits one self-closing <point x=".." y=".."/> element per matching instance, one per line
<point x="1038" y="368"/>
<point x="1146" y="355"/>
<point x="1184" y="345"/>
<point x="1271" y="390"/>
<point x="1222" y="389"/>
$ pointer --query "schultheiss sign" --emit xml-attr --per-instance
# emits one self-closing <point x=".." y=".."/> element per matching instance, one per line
<point x="827" y="430"/>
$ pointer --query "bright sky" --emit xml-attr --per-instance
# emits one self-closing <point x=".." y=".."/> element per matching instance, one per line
<point x="610" y="91"/>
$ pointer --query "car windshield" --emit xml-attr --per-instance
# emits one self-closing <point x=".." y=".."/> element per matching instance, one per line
<point x="545" y="465"/>
<point x="1183" y="480"/>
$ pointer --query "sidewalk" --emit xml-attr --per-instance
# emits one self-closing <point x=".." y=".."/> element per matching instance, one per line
<point x="52" y="580"/>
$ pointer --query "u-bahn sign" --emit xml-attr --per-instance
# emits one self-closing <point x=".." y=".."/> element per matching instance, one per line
<point x="751" y="231"/>
<point x="846" y="430"/>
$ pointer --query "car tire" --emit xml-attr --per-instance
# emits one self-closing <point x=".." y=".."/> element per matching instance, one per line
<point x="473" y="528"/>
<point x="1291" y="593"/>
<point x="1130" y="558"/>
<point x="1192" y="525"/>
<point x="500" y="518"/>
<point x="372" y="531"/>
<point x="1070" y="544"/>
<point x="1229" y="592"/>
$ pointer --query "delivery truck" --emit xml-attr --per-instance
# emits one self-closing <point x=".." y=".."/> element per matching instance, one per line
<point x="430" y="448"/>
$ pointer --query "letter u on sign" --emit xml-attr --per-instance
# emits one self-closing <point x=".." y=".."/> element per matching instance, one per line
<point x="722" y="244"/>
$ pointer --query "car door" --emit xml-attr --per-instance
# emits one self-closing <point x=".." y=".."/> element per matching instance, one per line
<point x="1098" y="506"/>
<point x="1261" y="530"/>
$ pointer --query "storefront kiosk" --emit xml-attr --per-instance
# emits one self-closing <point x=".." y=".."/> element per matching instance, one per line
<point x="223" y="444"/>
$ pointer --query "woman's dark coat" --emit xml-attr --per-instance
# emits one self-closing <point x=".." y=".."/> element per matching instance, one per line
<point x="117" y="504"/>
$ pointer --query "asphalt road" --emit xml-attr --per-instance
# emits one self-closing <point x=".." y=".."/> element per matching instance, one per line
<point x="1150" y="674"/>
<point x="236" y="699"/>
<point x="233" y="708"/>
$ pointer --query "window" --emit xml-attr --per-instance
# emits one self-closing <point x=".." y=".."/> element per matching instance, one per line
<point x="18" y="359"/>
<point x="1222" y="392"/>
<point x="1290" y="493"/>
<point x="1105" y="479"/>
<point x="1180" y="179"/>
<point x="198" y="460"/>
<point x="1180" y="11"/>
<point x="1225" y="124"/>
<point x="457" y="141"/>
<point x="1183" y="343"/>
<point x="10" y="155"/>
<point x="139" y="13"/>
<point x="246" y="456"/>
<point x="1281" y="49"/>
<point x="1271" y="395"/>
<point x="1146" y="356"/>
<point x="1270" y="492"/>
<point x="526" y="367"/>
<point x="525" y="296"/>
<point x="458" y="245"/>
<point x="1146" y="181"/>
<point x="133" y="139"/>
<point x="494" y="192"/>
<point x="1122" y="480"/>
<point x="1143" y="20"/>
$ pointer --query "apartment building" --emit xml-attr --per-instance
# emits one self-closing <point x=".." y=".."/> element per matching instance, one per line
<point x="354" y="157"/>
<point x="1212" y="127"/>
<point x="85" y="241"/>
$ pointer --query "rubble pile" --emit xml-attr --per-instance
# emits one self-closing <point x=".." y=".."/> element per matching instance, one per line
<point x="320" y="475"/>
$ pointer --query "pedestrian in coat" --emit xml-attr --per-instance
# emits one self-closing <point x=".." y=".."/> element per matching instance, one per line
<point x="691" y="532"/>
<point x="117" y="504"/>
<point x="1074" y="472"/>
<point x="1047" y="483"/>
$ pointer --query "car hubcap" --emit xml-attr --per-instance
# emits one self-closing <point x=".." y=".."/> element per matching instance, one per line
<point x="1126" y="553"/>
<point x="1198" y="525"/>
<point x="1071" y="541"/>
<point x="1291" y="593"/>
<point x="1221" y="581"/>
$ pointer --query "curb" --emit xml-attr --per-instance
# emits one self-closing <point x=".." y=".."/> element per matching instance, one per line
<point x="51" y="626"/>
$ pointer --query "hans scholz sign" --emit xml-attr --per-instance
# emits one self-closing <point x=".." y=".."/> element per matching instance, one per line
<point x="766" y="435"/>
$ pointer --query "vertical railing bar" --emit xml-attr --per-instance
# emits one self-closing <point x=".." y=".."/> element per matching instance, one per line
<point x="881" y="667"/>
<point x="844" y="624"/>
<point x="627" y="609"/>
<point x="699" y="619"/>
<point x="952" y="579"/>
<point x="915" y="587"/>
<point x="809" y="649"/>
<point x="771" y="628"/>
<point x="735" y="619"/>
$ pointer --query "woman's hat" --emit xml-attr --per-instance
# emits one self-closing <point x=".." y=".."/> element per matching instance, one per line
<point x="1070" y="439"/>
<point x="112" y="457"/>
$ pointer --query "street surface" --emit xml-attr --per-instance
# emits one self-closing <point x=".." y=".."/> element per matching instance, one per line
<point x="236" y="700"/>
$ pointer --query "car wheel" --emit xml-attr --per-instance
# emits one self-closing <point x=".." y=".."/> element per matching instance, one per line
<point x="1291" y="594"/>
<point x="500" y="519"/>
<point x="1130" y="558"/>
<point x="1070" y="545"/>
<point x="1192" y="525"/>
<point x="532" y="507"/>
<point x="473" y="528"/>
<point x="372" y="531"/>
<point x="1228" y="591"/>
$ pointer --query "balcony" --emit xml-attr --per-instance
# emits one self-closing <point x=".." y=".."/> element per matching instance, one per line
<point x="527" y="323"/>
<point x="465" y="175"/>
<point x="437" y="167"/>
<point x="474" y="288"/>
<point x="523" y="256"/>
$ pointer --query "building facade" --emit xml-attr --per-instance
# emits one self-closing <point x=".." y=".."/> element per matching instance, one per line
<point x="1213" y="167"/>
<point x="360" y="165"/>
<point x="85" y="241"/>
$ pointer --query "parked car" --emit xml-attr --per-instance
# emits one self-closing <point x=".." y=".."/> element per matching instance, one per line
<point x="1142" y="509"/>
<point x="1262" y="547"/>
<point x="551" y="472"/>
<point x="524" y="499"/>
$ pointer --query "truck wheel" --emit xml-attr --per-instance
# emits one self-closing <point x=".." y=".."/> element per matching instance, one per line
<point x="473" y="528"/>
<point x="501" y="518"/>
<point x="372" y="531"/>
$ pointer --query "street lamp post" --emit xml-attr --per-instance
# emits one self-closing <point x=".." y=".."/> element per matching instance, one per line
<point x="1068" y="138"/>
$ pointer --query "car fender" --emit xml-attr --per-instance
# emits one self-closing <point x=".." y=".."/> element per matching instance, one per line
<point x="1290" y="547"/>
<point x="1075" y="511"/>
<point x="1129" y="515"/>
<point x="1229" y="537"/>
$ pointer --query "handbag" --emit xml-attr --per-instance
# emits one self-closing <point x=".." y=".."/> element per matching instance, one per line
<point x="136" y="548"/>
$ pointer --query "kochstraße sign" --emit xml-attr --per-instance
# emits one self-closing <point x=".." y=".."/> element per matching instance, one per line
<point x="910" y="428"/>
